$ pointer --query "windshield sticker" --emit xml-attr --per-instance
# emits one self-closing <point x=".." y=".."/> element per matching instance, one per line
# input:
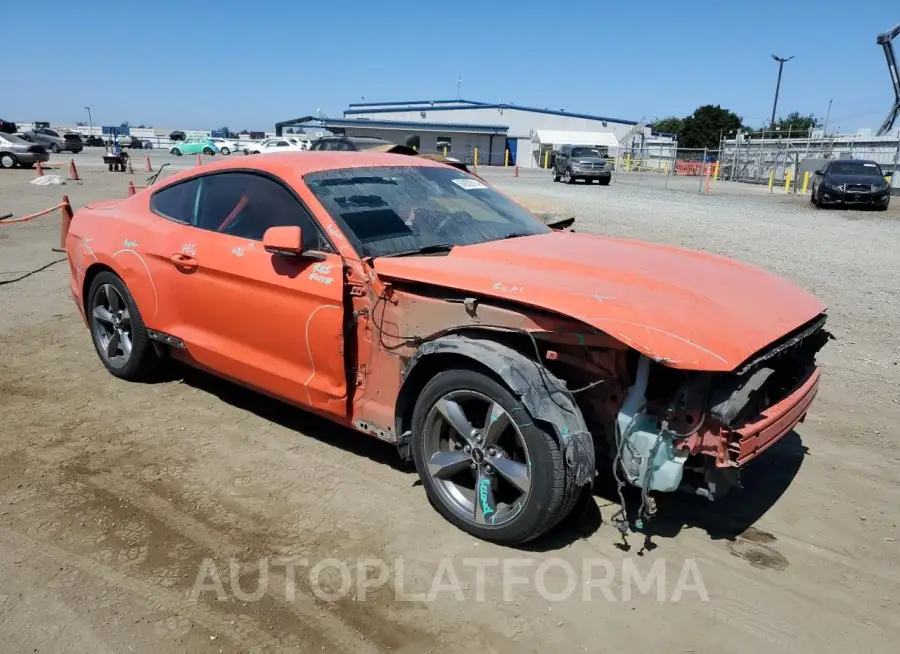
<point x="468" y="184"/>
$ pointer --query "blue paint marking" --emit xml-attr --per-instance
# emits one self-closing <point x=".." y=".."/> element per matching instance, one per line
<point x="483" y="487"/>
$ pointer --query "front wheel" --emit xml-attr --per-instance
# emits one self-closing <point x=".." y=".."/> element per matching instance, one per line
<point x="208" y="152"/>
<point x="567" y="177"/>
<point x="604" y="182"/>
<point x="7" y="160"/>
<point x="225" y="151"/>
<point x="555" y="175"/>
<point x="117" y="329"/>
<point x="175" y="152"/>
<point x="485" y="465"/>
<point x="54" y="149"/>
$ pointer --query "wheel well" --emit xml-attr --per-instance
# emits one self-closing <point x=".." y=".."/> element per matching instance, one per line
<point x="422" y="373"/>
<point x="89" y="275"/>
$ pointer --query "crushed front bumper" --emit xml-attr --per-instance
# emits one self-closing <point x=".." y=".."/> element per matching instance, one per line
<point x="735" y="447"/>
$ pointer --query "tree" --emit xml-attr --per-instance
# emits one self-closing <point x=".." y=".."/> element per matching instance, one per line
<point x="670" y="125"/>
<point x="124" y="125"/>
<point x="225" y="131"/>
<point x="796" y="123"/>
<point x="709" y="123"/>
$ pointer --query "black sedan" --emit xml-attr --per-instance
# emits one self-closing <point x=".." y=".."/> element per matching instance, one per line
<point x="851" y="182"/>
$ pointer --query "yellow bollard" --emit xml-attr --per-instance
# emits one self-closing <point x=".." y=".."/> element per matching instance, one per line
<point x="787" y="180"/>
<point x="771" y="179"/>
<point x="506" y="159"/>
<point x="666" y="168"/>
<point x="716" y="173"/>
<point x="547" y="159"/>
<point x="445" y="150"/>
<point x="476" y="157"/>
<point x="805" y="182"/>
<point x="627" y="161"/>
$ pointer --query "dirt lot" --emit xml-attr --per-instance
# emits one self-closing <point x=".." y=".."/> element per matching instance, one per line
<point x="115" y="496"/>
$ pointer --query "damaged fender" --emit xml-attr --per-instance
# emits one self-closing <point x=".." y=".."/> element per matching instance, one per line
<point x="545" y="397"/>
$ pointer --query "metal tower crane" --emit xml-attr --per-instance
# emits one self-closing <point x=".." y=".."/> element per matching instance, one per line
<point x="886" y="41"/>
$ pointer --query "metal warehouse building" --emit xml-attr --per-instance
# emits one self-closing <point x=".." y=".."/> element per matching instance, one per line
<point x="459" y="126"/>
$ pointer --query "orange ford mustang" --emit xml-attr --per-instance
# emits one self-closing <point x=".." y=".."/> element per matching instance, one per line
<point x="410" y="301"/>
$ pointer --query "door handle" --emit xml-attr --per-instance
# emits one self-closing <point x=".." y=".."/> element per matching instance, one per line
<point x="183" y="261"/>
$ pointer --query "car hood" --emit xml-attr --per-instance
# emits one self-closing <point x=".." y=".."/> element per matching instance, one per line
<point x="692" y="310"/>
<point x="855" y="179"/>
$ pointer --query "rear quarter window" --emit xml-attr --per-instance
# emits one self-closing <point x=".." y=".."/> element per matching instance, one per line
<point x="177" y="202"/>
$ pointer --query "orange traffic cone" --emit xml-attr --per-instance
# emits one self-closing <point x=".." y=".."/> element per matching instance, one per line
<point x="149" y="167"/>
<point x="199" y="163"/>
<point x="67" y="213"/>
<point x="131" y="189"/>
<point x="40" y="169"/>
<point x="73" y="171"/>
<point x="516" y="173"/>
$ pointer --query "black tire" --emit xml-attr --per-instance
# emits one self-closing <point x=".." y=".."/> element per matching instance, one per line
<point x="208" y="152"/>
<point x="569" y="177"/>
<point x="8" y="160"/>
<point x="54" y="149"/>
<point x="175" y="151"/>
<point x="225" y="151"/>
<point x="604" y="182"/>
<point x="143" y="360"/>
<point x="555" y="174"/>
<point x="553" y="492"/>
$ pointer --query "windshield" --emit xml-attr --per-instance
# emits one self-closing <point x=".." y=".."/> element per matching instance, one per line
<point x="586" y="152"/>
<point x="402" y="209"/>
<point x="861" y="168"/>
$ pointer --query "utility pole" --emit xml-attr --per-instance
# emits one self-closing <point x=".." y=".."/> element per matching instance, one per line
<point x="781" y="61"/>
<point x="825" y="126"/>
<point x="90" y="122"/>
<point x="458" y="83"/>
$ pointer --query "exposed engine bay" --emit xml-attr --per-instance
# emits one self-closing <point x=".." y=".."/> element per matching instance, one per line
<point x="663" y="429"/>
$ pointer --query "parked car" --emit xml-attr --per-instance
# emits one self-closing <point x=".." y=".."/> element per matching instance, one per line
<point x="8" y="127"/>
<point x="94" y="141"/>
<point x="412" y="302"/>
<point x="278" y="144"/>
<point x="177" y="135"/>
<point x="54" y="141"/>
<point x="850" y="182"/>
<point x="354" y="143"/>
<point x="574" y="162"/>
<point x="194" y="145"/>
<point x="225" y="146"/>
<point x="17" y="151"/>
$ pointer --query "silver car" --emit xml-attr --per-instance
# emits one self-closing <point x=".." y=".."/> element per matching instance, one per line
<point x="17" y="151"/>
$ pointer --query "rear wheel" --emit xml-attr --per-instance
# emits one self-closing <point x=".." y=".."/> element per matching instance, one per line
<point x="208" y="151"/>
<point x="175" y="151"/>
<point x="486" y="466"/>
<point x="117" y="329"/>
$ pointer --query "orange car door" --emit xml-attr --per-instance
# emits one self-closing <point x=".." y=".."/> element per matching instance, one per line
<point x="270" y="321"/>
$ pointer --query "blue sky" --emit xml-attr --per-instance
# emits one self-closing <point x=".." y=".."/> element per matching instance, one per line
<point x="202" y="64"/>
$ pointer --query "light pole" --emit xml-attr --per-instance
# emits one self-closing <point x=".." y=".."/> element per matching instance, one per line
<point x="90" y="122"/>
<point x="780" y="61"/>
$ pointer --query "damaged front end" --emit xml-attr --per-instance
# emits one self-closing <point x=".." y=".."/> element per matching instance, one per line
<point x="674" y="430"/>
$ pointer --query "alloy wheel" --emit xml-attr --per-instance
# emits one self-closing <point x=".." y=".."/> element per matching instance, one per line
<point x="477" y="458"/>
<point x="112" y="326"/>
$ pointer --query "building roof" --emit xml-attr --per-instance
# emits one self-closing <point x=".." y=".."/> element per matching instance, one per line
<point x="457" y="105"/>
<point x="567" y="137"/>
<point x="344" y="123"/>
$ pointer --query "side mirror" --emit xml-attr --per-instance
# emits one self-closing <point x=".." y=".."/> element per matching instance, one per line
<point x="818" y="172"/>
<point x="288" y="241"/>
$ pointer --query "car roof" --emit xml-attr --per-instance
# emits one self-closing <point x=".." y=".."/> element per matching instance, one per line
<point x="291" y="166"/>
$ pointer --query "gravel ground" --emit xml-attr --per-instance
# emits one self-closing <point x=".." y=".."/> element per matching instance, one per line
<point x="114" y="494"/>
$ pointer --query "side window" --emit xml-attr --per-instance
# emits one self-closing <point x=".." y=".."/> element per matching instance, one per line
<point x="177" y="201"/>
<point x="246" y="205"/>
<point x="347" y="145"/>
